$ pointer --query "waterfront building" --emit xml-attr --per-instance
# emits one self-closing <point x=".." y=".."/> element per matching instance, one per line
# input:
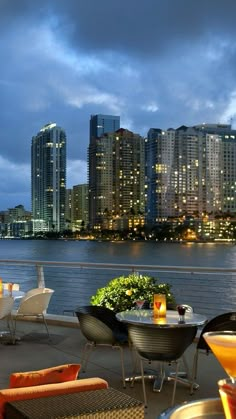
<point x="190" y="171"/>
<point x="221" y="167"/>
<point x="18" y="213"/>
<point x="16" y="222"/>
<point x="48" y="177"/>
<point x="19" y="229"/>
<point x="102" y="124"/>
<point x="99" y="125"/>
<point x="68" y="209"/>
<point x="116" y="180"/>
<point x="159" y="169"/>
<point x="79" y="206"/>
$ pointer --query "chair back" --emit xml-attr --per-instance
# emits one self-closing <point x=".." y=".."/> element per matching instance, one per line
<point x="95" y="330"/>
<point x="225" y="321"/>
<point x="6" y="306"/>
<point x="161" y="343"/>
<point x="99" y="324"/>
<point x="35" y="291"/>
<point x="35" y="304"/>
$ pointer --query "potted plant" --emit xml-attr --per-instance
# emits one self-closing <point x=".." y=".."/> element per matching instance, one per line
<point x="121" y="293"/>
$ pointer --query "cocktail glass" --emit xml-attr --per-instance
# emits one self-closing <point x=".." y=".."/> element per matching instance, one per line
<point x="223" y="345"/>
<point x="157" y="308"/>
<point x="139" y="304"/>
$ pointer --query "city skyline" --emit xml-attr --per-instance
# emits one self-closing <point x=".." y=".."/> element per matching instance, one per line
<point x="154" y="63"/>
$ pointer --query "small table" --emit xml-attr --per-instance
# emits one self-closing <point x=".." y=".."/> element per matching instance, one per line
<point x="146" y="317"/>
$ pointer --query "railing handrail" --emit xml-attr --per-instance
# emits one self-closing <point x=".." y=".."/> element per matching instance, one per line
<point x="132" y="267"/>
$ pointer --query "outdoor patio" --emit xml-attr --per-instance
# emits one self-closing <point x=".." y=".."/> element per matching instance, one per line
<point x="34" y="351"/>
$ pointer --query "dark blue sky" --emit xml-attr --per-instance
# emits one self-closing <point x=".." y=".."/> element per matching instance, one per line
<point x="156" y="63"/>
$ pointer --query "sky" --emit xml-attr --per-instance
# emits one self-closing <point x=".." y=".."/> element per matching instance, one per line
<point x="156" y="63"/>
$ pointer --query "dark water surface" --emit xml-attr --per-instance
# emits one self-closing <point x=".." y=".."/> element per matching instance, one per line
<point x="212" y="293"/>
<point x="139" y="253"/>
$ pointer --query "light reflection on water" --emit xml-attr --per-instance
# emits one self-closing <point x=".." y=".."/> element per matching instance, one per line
<point x="149" y="253"/>
<point x="73" y="288"/>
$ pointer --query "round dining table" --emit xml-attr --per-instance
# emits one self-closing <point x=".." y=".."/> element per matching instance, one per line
<point x="172" y="319"/>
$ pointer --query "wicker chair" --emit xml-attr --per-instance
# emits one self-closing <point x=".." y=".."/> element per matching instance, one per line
<point x="165" y="345"/>
<point x="225" y="321"/>
<point x="100" y="327"/>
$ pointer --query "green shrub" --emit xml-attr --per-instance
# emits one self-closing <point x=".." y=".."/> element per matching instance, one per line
<point x="121" y="293"/>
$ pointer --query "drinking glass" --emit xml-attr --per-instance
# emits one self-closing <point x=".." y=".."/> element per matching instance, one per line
<point x="223" y="345"/>
<point x="181" y="310"/>
<point x="227" y="391"/>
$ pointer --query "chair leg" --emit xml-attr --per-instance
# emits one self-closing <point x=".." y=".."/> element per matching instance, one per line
<point x="185" y="365"/>
<point x="175" y="383"/>
<point x="11" y="328"/>
<point x="143" y="383"/>
<point x="46" y="326"/>
<point x="88" y="348"/>
<point x="14" y="329"/>
<point x="122" y="364"/>
<point x="194" y="371"/>
<point x="159" y="380"/>
<point x="135" y="361"/>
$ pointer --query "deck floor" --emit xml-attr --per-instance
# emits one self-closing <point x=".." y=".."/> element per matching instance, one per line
<point x="34" y="351"/>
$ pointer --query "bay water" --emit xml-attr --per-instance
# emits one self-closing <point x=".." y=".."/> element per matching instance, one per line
<point x="132" y="252"/>
<point x="72" y="290"/>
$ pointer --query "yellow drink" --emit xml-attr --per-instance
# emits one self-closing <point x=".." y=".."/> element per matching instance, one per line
<point x="223" y="345"/>
<point x="227" y="391"/>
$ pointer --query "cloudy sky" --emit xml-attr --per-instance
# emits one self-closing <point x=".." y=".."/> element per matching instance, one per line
<point x="156" y="63"/>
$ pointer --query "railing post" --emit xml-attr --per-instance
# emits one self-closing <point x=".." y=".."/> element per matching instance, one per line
<point x="40" y="276"/>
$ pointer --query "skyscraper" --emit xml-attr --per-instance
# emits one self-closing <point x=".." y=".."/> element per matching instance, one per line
<point x="102" y="124"/>
<point x="80" y="206"/>
<point x="99" y="125"/>
<point x="160" y="188"/>
<point x="190" y="171"/>
<point x="116" y="179"/>
<point x="48" y="177"/>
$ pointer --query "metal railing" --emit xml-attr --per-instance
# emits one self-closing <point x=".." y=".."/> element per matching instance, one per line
<point x="210" y="291"/>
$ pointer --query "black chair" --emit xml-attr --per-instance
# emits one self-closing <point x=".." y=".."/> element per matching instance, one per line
<point x="100" y="326"/>
<point x="225" y="321"/>
<point x="163" y="344"/>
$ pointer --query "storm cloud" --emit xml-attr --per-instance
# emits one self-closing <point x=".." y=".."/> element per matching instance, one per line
<point x="158" y="63"/>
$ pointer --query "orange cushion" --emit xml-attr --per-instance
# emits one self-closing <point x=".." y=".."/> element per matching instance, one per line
<point x="35" y="392"/>
<point x="57" y="374"/>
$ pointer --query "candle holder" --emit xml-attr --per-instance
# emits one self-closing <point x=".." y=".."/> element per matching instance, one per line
<point x="159" y="305"/>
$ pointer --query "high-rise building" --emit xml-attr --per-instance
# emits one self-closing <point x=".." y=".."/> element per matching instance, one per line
<point x="160" y="190"/>
<point x="116" y="180"/>
<point x="99" y="125"/>
<point x="80" y="206"/>
<point x="48" y="177"/>
<point x="190" y="171"/>
<point x="68" y="208"/>
<point x="102" y="124"/>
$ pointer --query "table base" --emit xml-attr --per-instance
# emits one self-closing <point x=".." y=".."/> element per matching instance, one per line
<point x="159" y="379"/>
